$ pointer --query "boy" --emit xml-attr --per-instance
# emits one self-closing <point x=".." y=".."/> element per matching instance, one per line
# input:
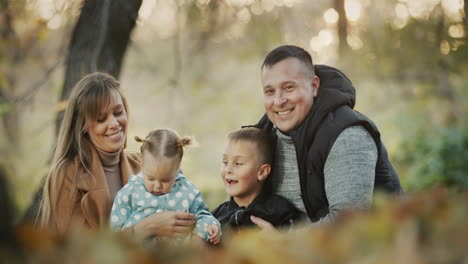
<point x="246" y="166"/>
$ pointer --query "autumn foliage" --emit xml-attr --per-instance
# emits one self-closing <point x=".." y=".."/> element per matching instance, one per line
<point x="424" y="228"/>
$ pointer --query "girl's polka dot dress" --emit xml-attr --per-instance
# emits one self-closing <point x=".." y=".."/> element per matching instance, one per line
<point x="133" y="203"/>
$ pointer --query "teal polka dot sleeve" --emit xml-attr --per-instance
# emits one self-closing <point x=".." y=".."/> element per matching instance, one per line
<point x="133" y="203"/>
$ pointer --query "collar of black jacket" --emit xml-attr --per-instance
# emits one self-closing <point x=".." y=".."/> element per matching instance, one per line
<point x="259" y="199"/>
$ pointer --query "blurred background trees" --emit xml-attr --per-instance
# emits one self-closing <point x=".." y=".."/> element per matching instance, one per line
<point x="194" y="66"/>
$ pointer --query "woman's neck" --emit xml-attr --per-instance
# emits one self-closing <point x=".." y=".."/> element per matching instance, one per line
<point x="109" y="158"/>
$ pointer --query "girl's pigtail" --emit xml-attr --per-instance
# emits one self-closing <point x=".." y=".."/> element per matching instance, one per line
<point x="143" y="143"/>
<point x="138" y="139"/>
<point x="184" y="141"/>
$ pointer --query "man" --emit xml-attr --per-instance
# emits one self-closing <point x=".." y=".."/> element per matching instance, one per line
<point x="329" y="157"/>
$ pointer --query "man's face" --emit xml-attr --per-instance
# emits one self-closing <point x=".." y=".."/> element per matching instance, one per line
<point x="288" y="93"/>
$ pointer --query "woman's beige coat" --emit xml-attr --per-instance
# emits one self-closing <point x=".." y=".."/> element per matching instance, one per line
<point x="88" y="206"/>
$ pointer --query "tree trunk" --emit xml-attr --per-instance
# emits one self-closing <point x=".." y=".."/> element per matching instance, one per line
<point x="444" y="87"/>
<point x="339" y="6"/>
<point x="8" y="109"/>
<point x="466" y="16"/>
<point x="99" y="41"/>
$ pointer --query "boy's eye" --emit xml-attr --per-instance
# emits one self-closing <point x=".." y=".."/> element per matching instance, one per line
<point x="238" y="163"/>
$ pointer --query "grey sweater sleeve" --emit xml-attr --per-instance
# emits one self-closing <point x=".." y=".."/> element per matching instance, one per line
<point x="349" y="172"/>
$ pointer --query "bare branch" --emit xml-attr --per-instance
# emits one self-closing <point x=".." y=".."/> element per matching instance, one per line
<point x="7" y="31"/>
<point x="26" y="95"/>
<point x="33" y="89"/>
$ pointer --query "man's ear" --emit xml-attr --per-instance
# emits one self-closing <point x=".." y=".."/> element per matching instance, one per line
<point x="263" y="172"/>
<point x="315" y="85"/>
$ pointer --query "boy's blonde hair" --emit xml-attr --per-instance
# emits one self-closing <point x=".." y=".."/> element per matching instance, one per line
<point x="258" y="137"/>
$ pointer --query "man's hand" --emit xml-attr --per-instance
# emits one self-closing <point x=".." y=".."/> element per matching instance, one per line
<point x="262" y="224"/>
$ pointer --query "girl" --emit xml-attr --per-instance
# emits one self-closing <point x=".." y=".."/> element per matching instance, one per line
<point x="160" y="186"/>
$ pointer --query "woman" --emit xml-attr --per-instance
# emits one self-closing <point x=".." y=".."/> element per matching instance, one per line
<point x="90" y="165"/>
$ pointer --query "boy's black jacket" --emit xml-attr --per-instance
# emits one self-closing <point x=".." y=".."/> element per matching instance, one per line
<point x="272" y="208"/>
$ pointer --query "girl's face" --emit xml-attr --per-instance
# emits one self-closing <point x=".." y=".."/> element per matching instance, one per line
<point x="108" y="131"/>
<point x="159" y="175"/>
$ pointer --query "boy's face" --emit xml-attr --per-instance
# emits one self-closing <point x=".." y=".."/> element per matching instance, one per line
<point x="159" y="175"/>
<point x="241" y="171"/>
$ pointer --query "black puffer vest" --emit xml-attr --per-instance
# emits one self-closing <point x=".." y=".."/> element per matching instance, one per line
<point x="331" y="113"/>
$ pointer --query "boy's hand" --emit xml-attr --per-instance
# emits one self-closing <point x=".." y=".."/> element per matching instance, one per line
<point x="215" y="234"/>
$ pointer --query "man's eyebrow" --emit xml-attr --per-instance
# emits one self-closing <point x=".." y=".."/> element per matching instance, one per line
<point x="288" y="81"/>
<point x="281" y="84"/>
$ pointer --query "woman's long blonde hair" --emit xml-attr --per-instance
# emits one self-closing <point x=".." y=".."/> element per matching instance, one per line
<point x="87" y="99"/>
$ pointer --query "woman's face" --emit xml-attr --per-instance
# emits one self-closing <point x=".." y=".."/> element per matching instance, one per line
<point x="108" y="132"/>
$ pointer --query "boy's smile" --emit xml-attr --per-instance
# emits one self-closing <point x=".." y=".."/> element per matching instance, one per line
<point x="231" y="182"/>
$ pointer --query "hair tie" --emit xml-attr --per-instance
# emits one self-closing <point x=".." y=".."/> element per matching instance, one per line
<point x="184" y="142"/>
<point x="138" y="139"/>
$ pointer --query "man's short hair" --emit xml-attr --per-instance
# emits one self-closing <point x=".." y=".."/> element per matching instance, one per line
<point x="288" y="51"/>
<point x="259" y="138"/>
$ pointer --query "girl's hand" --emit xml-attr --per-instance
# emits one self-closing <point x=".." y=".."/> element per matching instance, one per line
<point x="215" y="234"/>
<point x="165" y="224"/>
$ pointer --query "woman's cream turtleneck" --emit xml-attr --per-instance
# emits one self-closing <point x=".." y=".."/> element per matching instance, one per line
<point x="111" y="165"/>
